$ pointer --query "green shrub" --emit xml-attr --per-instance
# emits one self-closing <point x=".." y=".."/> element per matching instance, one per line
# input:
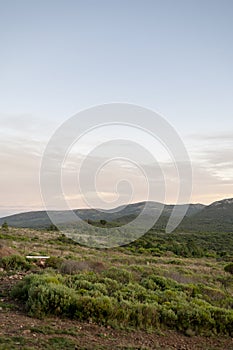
<point x="229" y="268"/>
<point x="118" y="274"/>
<point x="93" y="297"/>
<point x="111" y="285"/>
<point x="22" y="288"/>
<point x="100" y="309"/>
<point x="168" y="316"/>
<point x="193" y="316"/>
<point x="53" y="299"/>
<point x="15" y="262"/>
<point x="223" y="320"/>
<point x="136" y="293"/>
<point x="103" y="222"/>
<point x="53" y="227"/>
<point x="155" y="282"/>
<point x="138" y="315"/>
<point x="54" y="262"/>
<point x="5" y="226"/>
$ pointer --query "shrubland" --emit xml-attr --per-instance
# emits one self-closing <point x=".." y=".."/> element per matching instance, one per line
<point x="160" y="281"/>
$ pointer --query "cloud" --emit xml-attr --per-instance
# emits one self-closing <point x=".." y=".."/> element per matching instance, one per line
<point x="117" y="182"/>
<point x="219" y="162"/>
<point x="25" y="126"/>
<point x="213" y="155"/>
<point x="219" y="158"/>
<point x="223" y="136"/>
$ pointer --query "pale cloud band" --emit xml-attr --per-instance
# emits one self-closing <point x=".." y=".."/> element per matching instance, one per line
<point x="23" y="139"/>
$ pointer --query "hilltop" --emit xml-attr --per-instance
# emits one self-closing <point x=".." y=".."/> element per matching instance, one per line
<point x="216" y="217"/>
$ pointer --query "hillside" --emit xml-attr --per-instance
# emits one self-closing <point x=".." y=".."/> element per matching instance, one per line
<point x="40" y="219"/>
<point x="216" y="217"/>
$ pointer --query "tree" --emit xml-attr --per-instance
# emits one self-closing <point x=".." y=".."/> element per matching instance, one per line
<point x="53" y="227"/>
<point x="5" y="226"/>
<point x="103" y="222"/>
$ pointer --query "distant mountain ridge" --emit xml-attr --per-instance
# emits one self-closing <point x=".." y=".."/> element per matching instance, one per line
<point x="217" y="216"/>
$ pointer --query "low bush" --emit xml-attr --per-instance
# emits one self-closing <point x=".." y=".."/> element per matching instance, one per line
<point x="54" y="261"/>
<point x="120" y="301"/>
<point x="15" y="262"/>
<point x="70" y="267"/>
<point x="118" y="274"/>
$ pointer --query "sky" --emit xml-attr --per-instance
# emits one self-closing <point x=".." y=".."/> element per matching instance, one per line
<point x="61" y="57"/>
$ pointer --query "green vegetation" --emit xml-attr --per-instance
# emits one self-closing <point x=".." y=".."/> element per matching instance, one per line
<point x="15" y="262"/>
<point x="5" y="226"/>
<point x="180" y="281"/>
<point x="118" y="298"/>
<point x="186" y="245"/>
<point x="53" y="227"/>
<point x="229" y="268"/>
<point x="53" y="343"/>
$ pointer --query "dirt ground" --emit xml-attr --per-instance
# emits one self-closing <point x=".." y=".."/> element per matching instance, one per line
<point x="92" y="336"/>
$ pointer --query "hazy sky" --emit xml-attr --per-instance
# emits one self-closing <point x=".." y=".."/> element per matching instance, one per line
<point x="59" y="57"/>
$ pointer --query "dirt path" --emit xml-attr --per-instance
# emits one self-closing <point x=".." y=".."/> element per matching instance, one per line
<point x="91" y="336"/>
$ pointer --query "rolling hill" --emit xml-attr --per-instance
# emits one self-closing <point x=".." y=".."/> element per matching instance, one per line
<point x="122" y="214"/>
<point x="215" y="217"/>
